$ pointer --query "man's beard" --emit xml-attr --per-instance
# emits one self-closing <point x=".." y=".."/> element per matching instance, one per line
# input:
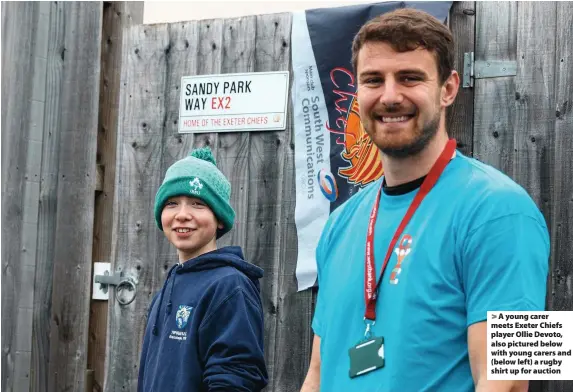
<point x="420" y="142"/>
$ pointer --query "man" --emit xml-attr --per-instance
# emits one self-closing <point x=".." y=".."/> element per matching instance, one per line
<point x="458" y="237"/>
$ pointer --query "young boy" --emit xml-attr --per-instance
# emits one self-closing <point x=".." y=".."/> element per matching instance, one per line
<point x="205" y="328"/>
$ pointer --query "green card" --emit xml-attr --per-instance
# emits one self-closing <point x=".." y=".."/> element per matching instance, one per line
<point x="366" y="357"/>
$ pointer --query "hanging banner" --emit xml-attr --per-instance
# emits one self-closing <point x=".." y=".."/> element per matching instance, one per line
<point x="334" y="157"/>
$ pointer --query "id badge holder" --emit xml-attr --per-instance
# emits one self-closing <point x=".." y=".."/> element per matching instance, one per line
<point x="366" y="356"/>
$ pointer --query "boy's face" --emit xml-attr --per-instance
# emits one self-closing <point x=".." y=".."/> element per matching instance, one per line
<point x="190" y="225"/>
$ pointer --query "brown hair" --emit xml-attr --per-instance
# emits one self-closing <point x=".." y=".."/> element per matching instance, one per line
<point x="407" y="29"/>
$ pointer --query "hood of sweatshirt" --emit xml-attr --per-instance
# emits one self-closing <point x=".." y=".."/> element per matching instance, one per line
<point x="227" y="256"/>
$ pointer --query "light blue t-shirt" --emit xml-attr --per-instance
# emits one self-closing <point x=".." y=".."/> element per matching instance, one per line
<point x="477" y="243"/>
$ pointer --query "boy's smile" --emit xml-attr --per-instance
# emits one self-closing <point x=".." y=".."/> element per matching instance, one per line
<point x="190" y="225"/>
<point x="183" y="231"/>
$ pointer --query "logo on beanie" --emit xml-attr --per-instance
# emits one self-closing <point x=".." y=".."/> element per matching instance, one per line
<point x="182" y="315"/>
<point x="196" y="186"/>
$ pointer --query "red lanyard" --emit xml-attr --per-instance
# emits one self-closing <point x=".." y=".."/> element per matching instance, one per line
<point x="370" y="285"/>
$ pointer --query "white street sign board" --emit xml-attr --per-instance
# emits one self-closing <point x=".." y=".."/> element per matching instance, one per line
<point x="255" y="101"/>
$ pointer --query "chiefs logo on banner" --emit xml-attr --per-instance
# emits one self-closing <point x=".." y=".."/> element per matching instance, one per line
<point x="360" y="152"/>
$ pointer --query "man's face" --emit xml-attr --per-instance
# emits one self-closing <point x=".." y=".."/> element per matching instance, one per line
<point x="400" y="97"/>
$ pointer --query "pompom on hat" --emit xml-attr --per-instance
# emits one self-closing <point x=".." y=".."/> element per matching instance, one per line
<point x="197" y="176"/>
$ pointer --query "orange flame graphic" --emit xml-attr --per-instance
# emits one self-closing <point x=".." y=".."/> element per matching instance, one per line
<point x="361" y="153"/>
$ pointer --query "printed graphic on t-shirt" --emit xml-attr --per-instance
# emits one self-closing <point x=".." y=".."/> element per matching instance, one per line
<point x="403" y="250"/>
<point x="181" y="319"/>
<point x="182" y="315"/>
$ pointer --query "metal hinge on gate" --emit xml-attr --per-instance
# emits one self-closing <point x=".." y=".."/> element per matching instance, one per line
<point x="485" y="69"/>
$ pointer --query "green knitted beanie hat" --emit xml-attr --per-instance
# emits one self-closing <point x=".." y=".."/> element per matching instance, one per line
<point x="198" y="176"/>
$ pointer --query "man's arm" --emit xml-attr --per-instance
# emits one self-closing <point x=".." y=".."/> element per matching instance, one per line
<point x="477" y="347"/>
<point x="505" y="268"/>
<point x="312" y="380"/>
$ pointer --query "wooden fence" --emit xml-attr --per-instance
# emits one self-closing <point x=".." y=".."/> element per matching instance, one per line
<point x="89" y="125"/>
<point x="50" y="79"/>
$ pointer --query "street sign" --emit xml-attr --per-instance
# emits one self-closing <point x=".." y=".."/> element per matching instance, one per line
<point x="255" y="101"/>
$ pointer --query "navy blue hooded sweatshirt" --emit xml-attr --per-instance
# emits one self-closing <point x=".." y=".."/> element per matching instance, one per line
<point x="205" y="328"/>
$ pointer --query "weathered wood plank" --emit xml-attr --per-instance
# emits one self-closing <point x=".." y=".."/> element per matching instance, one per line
<point x="134" y="11"/>
<point x="34" y="136"/>
<point x="494" y="111"/>
<point x="266" y="168"/>
<point x="181" y="60"/>
<point x="209" y="62"/>
<point x="535" y="110"/>
<point x="233" y="147"/>
<point x="22" y="367"/>
<point x="138" y="176"/>
<point x="75" y="212"/>
<point x="116" y="17"/>
<point x="19" y="27"/>
<point x="561" y="224"/>
<point x="460" y="115"/>
<point x="48" y="201"/>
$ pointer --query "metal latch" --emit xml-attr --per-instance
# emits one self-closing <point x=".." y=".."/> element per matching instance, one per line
<point x="485" y="69"/>
<point x="107" y="279"/>
<point x="122" y="284"/>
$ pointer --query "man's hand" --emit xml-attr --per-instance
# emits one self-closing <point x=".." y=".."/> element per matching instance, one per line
<point x="312" y="380"/>
<point x="477" y="348"/>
